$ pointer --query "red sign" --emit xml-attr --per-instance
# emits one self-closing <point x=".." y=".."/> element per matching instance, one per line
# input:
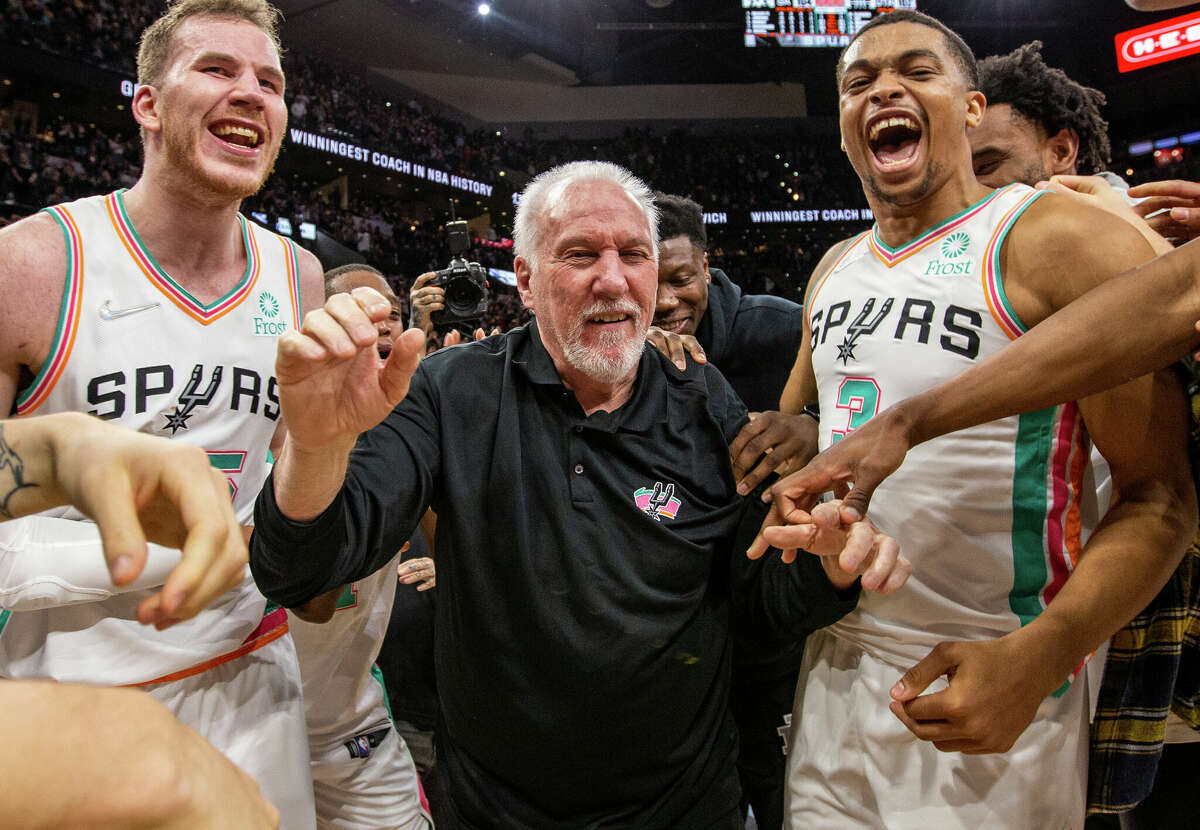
<point x="1159" y="42"/>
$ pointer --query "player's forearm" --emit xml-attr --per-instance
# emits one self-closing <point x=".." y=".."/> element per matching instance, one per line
<point x="1125" y="563"/>
<point x="47" y="562"/>
<point x="308" y="480"/>
<point x="118" y="770"/>
<point x="1125" y="328"/>
<point x="28" y="448"/>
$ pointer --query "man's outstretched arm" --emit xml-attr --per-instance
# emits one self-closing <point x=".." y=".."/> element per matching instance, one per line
<point x="1133" y="324"/>
<point x="137" y="488"/>
<point x="333" y="386"/>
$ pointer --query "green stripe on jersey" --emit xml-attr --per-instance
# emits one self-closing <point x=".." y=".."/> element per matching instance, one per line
<point x="377" y="673"/>
<point x="1035" y="438"/>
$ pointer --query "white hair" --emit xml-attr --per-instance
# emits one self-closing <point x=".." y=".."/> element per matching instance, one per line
<point x="543" y="193"/>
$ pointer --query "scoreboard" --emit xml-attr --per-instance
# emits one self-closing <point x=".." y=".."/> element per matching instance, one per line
<point x="811" y="22"/>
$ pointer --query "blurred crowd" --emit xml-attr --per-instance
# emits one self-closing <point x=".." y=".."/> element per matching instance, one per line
<point x="58" y="159"/>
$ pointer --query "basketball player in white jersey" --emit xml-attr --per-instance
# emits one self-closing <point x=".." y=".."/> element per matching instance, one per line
<point x="159" y="308"/>
<point x="1009" y="592"/>
<point x="131" y="763"/>
<point x="363" y="775"/>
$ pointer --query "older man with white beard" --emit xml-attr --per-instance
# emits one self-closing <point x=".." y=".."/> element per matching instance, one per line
<point x="586" y="516"/>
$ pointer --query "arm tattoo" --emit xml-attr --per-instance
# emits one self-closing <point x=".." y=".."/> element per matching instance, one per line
<point x="12" y="475"/>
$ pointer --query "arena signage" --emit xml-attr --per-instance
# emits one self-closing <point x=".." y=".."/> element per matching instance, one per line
<point x="1159" y="42"/>
<point x="395" y="164"/>
<point x="806" y="217"/>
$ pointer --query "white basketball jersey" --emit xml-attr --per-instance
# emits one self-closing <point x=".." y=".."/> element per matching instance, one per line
<point x="990" y="516"/>
<point x="134" y="347"/>
<point x="341" y="698"/>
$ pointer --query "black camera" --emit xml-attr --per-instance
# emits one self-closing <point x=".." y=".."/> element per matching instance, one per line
<point x="465" y="284"/>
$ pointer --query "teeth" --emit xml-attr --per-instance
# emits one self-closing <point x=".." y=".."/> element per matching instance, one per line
<point x="897" y="121"/>
<point x="609" y="318"/>
<point x="231" y="129"/>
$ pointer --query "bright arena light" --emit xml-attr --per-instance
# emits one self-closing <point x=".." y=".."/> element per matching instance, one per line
<point x="484" y="9"/>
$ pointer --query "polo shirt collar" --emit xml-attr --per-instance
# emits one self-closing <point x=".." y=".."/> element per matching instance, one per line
<point x="647" y="404"/>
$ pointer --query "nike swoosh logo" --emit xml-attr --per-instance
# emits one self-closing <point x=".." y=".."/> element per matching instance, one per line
<point x="107" y="312"/>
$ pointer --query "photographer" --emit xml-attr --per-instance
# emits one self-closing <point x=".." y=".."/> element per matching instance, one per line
<point x="454" y="298"/>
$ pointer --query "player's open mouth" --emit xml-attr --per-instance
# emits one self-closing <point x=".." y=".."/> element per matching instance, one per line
<point x="239" y="135"/>
<point x="385" y="349"/>
<point x="894" y="141"/>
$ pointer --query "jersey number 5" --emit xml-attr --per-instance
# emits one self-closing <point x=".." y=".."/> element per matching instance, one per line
<point x="859" y="397"/>
<point x="229" y="462"/>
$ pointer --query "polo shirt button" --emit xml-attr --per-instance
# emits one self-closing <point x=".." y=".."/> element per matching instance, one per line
<point x="578" y="469"/>
<point x="578" y="429"/>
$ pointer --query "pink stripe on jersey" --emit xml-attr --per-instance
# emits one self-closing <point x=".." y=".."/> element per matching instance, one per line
<point x="891" y="258"/>
<point x="164" y="283"/>
<point x="993" y="289"/>
<point x="68" y="323"/>
<point x="1063" y="493"/>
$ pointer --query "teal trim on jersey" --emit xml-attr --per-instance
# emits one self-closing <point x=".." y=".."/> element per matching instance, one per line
<point x="63" y="308"/>
<point x="299" y="292"/>
<point x="377" y="673"/>
<point x="158" y="268"/>
<point x="271" y="608"/>
<point x="1030" y="502"/>
<point x="935" y="228"/>
<point x="4" y="615"/>
<point x="270" y="458"/>
<point x="1016" y="318"/>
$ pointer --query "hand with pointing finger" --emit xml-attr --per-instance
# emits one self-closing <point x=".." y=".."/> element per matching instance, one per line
<point x="848" y="550"/>
<point x="852" y="468"/>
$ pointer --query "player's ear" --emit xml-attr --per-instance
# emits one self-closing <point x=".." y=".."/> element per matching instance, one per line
<point x="976" y="106"/>
<point x="145" y="108"/>
<point x="1064" y="149"/>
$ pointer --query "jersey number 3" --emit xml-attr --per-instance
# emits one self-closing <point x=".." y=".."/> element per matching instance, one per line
<point x="859" y="399"/>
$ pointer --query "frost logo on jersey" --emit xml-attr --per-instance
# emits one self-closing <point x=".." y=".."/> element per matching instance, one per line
<point x="952" y="247"/>
<point x="955" y="245"/>
<point x="268" y="305"/>
<point x="658" y="502"/>
<point x="191" y="397"/>
<point x="267" y="325"/>
<point x="860" y="326"/>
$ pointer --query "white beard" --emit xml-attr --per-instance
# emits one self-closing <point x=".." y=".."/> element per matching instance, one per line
<point x="597" y="362"/>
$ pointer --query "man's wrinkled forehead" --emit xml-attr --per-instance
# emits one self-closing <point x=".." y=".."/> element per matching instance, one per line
<point x="577" y="203"/>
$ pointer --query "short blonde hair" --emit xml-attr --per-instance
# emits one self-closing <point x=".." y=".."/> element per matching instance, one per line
<point x="155" y="45"/>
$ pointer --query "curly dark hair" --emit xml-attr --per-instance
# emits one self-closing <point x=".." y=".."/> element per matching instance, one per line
<point x="680" y="216"/>
<point x="1048" y="98"/>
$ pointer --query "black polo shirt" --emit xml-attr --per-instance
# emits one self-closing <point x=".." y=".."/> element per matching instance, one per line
<point x="584" y="576"/>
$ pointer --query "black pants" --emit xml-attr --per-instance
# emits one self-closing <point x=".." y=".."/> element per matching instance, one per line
<point x="759" y="707"/>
